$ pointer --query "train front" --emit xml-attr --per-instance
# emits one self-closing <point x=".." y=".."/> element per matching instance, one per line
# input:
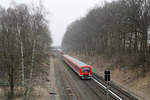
<point x="85" y="72"/>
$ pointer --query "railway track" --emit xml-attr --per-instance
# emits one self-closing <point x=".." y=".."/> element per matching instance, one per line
<point x="76" y="89"/>
<point x="98" y="90"/>
<point x="69" y="93"/>
<point x="117" y="92"/>
<point x="94" y="87"/>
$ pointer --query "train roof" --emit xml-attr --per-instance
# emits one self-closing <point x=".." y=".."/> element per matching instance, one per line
<point x="76" y="61"/>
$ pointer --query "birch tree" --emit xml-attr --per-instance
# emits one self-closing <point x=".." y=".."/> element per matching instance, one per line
<point x="25" y="41"/>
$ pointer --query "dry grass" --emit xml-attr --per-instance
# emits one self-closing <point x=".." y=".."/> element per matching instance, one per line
<point x="2" y="92"/>
<point x="141" y="86"/>
<point x="39" y="93"/>
<point x="5" y="90"/>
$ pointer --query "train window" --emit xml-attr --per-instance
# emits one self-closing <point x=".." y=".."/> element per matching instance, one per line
<point x="85" y="69"/>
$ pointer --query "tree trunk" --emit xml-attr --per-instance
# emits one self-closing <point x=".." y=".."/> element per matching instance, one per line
<point x="12" y="82"/>
<point x="22" y="65"/>
<point x="32" y="60"/>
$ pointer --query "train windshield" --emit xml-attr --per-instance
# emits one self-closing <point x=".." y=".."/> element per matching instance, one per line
<point x="85" y="69"/>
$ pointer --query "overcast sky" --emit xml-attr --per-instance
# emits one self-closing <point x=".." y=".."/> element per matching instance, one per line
<point x="61" y="13"/>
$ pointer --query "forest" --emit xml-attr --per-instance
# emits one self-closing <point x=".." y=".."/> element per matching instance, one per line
<point x="24" y="46"/>
<point x="116" y="28"/>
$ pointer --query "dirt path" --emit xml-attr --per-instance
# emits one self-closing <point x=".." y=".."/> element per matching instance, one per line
<point x="46" y="90"/>
<point x="54" y="94"/>
<point x="2" y="97"/>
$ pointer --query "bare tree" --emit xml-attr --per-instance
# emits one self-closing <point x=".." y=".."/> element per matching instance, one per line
<point x="25" y="41"/>
<point x="119" y="27"/>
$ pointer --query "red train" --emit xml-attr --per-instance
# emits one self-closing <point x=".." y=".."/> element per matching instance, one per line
<point x="82" y="69"/>
<point x="60" y="51"/>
